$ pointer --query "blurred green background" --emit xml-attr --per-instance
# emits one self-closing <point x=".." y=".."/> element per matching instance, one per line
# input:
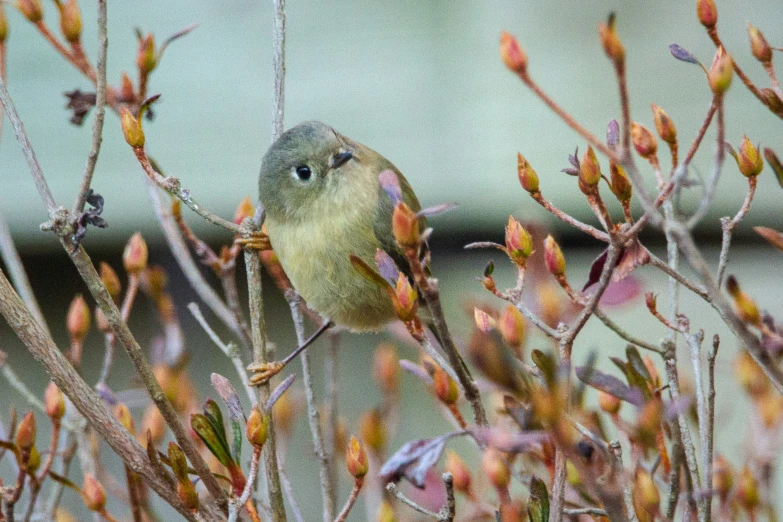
<point x="422" y="83"/>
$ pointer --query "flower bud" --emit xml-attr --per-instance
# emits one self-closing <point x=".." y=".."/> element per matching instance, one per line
<point x="131" y="129"/>
<point x="511" y="325"/>
<point x="553" y="257"/>
<point x="744" y="306"/>
<point x="495" y="468"/>
<point x="3" y="23"/>
<point x="153" y="424"/>
<point x="101" y="322"/>
<point x="127" y="93"/>
<point x="722" y="476"/>
<point x="110" y="280"/>
<point x="356" y="459"/>
<point x="406" y="302"/>
<point x="707" y="13"/>
<point x="527" y="175"/>
<point x="185" y="489"/>
<point x="405" y="226"/>
<point x="721" y="72"/>
<point x="664" y="125"/>
<point x="609" y="403"/>
<point x="93" y="494"/>
<point x="621" y="185"/>
<point x="78" y="319"/>
<point x="373" y="430"/>
<point x="646" y="498"/>
<point x="772" y="100"/>
<point x="123" y="414"/>
<point x="748" y="490"/>
<point x="146" y="60"/>
<point x="651" y="300"/>
<point x="31" y="9"/>
<point x="33" y="460"/>
<point x="246" y="209"/>
<point x="459" y="472"/>
<point x="26" y="432"/>
<point x="611" y="43"/>
<point x="759" y="46"/>
<point x="750" y="376"/>
<point x="386" y="368"/>
<point x="257" y="427"/>
<point x="444" y="386"/>
<point x="643" y="140"/>
<point x="135" y="255"/>
<point x="70" y="20"/>
<point x="386" y="512"/>
<point x="54" y="401"/>
<point x="512" y="54"/>
<point x="749" y="159"/>
<point x="519" y="244"/>
<point x="589" y="169"/>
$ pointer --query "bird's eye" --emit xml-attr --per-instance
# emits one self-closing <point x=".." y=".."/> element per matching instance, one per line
<point x="303" y="173"/>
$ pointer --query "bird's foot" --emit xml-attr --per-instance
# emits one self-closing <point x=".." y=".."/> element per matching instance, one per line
<point x="263" y="372"/>
<point x="256" y="241"/>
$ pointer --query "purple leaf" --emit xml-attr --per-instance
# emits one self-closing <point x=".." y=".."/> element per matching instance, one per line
<point x="622" y="292"/>
<point x="226" y="390"/>
<point x="682" y="54"/>
<point x="415" y="458"/>
<point x="418" y="472"/>
<point x="510" y="441"/>
<point x="277" y="392"/>
<point x="677" y="406"/>
<point x="613" y="134"/>
<point x="386" y="266"/>
<point x="391" y="185"/>
<point x="609" y="384"/>
<point x="416" y="370"/>
<point x="595" y="270"/>
<point x="436" y="210"/>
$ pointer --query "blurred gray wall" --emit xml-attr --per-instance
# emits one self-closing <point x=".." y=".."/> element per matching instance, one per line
<point x="419" y="81"/>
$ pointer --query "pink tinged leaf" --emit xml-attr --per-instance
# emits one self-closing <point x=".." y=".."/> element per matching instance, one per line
<point x="609" y="384"/>
<point x="484" y="321"/>
<point x="226" y="390"/>
<point x="386" y="266"/>
<point x="772" y="236"/>
<point x="622" y="292"/>
<point x="278" y="392"/>
<point x="416" y="370"/>
<point x="436" y="210"/>
<point x="433" y="495"/>
<point x="631" y="257"/>
<point x="414" y="459"/>
<point x="391" y="185"/>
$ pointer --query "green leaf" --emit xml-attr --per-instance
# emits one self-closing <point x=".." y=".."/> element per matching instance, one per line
<point x="538" y="504"/>
<point x="635" y="359"/>
<point x="206" y="432"/>
<point x="637" y="380"/>
<point x="369" y="273"/>
<point x="215" y="418"/>
<point x="236" y="445"/>
<point x="546" y="364"/>
<point x="775" y="164"/>
<point x="65" y="482"/>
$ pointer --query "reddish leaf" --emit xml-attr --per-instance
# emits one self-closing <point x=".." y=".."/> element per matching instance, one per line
<point x="772" y="236"/>
<point x="609" y="384"/>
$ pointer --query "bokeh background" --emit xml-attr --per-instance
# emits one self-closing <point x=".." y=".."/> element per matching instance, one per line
<point x="421" y="82"/>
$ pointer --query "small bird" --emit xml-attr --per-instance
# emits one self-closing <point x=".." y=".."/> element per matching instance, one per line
<point x="324" y="202"/>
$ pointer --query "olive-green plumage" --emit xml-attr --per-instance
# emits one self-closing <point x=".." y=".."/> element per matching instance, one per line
<point x="323" y="202"/>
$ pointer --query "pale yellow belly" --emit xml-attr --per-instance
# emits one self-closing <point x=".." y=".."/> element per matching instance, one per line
<point x="320" y="269"/>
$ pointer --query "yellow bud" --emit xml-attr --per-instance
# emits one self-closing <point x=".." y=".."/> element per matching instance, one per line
<point x="495" y="468"/>
<point x="110" y="280"/>
<point x="26" y="432"/>
<point x="721" y="71"/>
<point x="646" y="498"/>
<point x="611" y="43"/>
<point x="511" y="325"/>
<point x="643" y="140"/>
<point x="356" y="459"/>
<point x="257" y="427"/>
<point x="406" y="302"/>
<point x="707" y="12"/>
<point x="31" y="9"/>
<point x="373" y="430"/>
<point x="744" y="306"/>
<point x="519" y="244"/>
<point x="749" y="159"/>
<point x="284" y="413"/>
<point x="131" y="129"/>
<point x="146" y="59"/>
<point x="3" y="23"/>
<point x="386" y="512"/>
<point x="135" y="255"/>
<point x="512" y="54"/>
<point x="750" y="376"/>
<point x="386" y="368"/>
<point x="123" y="414"/>
<point x="664" y="125"/>
<point x="759" y="46"/>
<point x="589" y="170"/>
<point x="70" y="20"/>
<point x="33" y="460"/>
<point x="609" y="403"/>
<point x="405" y="226"/>
<point x="153" y="423"/>
<point x="748" y="490"/>
<point x="246" y="209"/>
<point x="78" y="319"/>
<point x="93" y="494"/>
<point x="553" y="257"/>
<point x="528" y="177"/>
<point x="127" y="93"/>
<point x="459" y="471"/>
<point x="621" y="185"/>
<point x="54" y="402"/>
<point x="445" y="388"/>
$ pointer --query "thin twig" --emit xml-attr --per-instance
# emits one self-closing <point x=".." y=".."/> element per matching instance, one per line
<point x="584" y="511"/>
<point x="279" y="67"/>
<point x="357" y="487"/>
<point x="327" y="486"/>
<point x="235" y="506"/>
<point x="679" y="278"/>
<point x="16" y="383"/>
<point x="100" y="112"/>
<point x="391" y="487"/>
<point x="567" y="218"/>
<point x="720" y="154"/>
<point x="288" y="489"/>
<point x="331" y="370"/>
<point x="728" y="226"/>
<point x="624" y="334"/>
<point x="619" y="470"/>
<point x="260" y="356"/>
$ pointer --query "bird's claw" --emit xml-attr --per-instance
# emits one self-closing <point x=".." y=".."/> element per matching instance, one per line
<point x="255" y="241"/>
<point x="263" y="372"/>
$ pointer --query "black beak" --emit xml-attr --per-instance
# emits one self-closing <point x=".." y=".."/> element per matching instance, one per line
<point x="341" y="159"/>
